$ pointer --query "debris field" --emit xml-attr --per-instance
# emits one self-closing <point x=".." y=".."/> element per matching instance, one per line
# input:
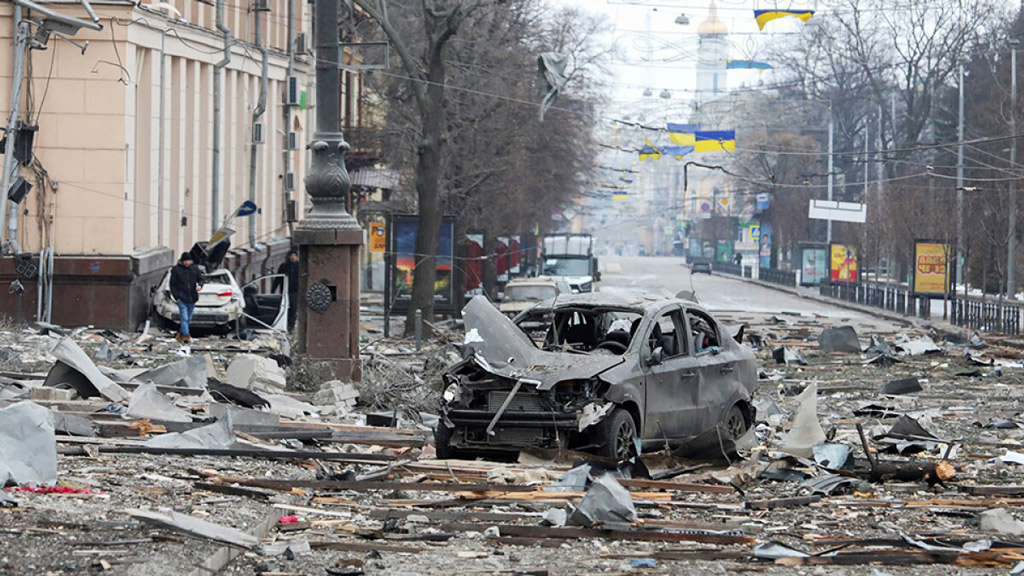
<point x="877" y="449"/>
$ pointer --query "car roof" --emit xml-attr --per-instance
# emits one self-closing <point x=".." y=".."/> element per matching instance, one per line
<point x="635" y="300"/>
<point x="537" y="281"/>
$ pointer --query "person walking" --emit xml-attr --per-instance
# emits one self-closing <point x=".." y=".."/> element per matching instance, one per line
<point x="289" y="268"/>
<point x="186" y="282"/>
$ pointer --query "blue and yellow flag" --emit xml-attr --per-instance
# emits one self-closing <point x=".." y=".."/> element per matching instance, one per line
<point x="677" y="151"/>
<point x="649" y="151"/>
<point x="626" y="180"/>
<point x="682" y="134"/>
<point x="619" y="196"/>
<point x="765" y="16"/>
<point x="747" y="65"/>
<point x="716" y="140"/>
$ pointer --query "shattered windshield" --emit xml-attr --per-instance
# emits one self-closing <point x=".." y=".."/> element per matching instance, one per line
<point x="529" y="293"/>
<point x="567" y="267"/>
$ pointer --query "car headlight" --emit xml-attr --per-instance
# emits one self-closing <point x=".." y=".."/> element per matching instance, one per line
<point x="451" y="393"/>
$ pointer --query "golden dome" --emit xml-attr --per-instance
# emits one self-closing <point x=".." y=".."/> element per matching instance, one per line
<point x="712" y="26"/>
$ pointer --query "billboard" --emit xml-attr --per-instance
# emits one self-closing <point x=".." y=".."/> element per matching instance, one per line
<point x="931" y="268"/>
<point x="402" y="264"/>
<point x="813" y="265"/>
<point x="842" y="263"/>
<point x="765" y="250"/>
<point x="378" y="238"/>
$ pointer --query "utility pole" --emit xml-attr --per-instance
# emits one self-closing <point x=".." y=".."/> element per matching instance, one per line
<point x="960" y="183"/>
<point x="828" y="234"/>
<point x="1011" y="250"/>
<point x="329" y="237"/>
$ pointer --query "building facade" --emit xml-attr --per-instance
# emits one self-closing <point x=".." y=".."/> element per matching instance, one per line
<point x="124" y="175"/>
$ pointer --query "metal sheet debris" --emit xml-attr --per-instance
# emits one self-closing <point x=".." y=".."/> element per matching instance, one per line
<point x="28" y="447"/>
<point x="806" y="430"/>
<point x="74" y="368"/>
<point x="147" y="402"/>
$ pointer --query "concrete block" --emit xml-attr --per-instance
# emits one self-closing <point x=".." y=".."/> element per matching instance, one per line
<point x="255" y="373"/>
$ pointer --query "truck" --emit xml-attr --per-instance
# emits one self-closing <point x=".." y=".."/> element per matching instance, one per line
<point x="570" y="257"/>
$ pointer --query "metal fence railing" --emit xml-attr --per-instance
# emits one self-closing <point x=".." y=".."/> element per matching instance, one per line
<point x="987" y="314"/>
<point x="889" y="297"/>
<point x="727" y="268"/>
<point x="780" y="277"/>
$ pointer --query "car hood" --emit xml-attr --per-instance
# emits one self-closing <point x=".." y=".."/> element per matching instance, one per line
<point x="501" y="348"/>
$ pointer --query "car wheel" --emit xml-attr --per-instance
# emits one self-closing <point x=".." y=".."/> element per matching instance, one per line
<point x="736" y="422"/>
<point x="616" y="432"/>
<point x="442" y="443"/>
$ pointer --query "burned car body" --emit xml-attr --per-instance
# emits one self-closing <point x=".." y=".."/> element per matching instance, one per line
<point x="611" y="368"/>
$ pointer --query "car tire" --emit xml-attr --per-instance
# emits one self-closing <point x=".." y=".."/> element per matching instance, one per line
<point x="616" y="434"/>
<point x="442" y="443"/>
<point x="736" y="422"/>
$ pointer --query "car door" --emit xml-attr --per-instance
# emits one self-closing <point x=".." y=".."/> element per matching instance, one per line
<point x="263" y="309"/>
<point x="673" y="383"/>
<point x="717" y="366"/>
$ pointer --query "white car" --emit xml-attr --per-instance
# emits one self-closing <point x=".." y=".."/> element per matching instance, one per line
<point x="224" y="305"/>
<point x="522" y="293"/>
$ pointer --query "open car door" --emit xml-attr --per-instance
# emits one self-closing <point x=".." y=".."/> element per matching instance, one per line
<point x="265" y="309"/>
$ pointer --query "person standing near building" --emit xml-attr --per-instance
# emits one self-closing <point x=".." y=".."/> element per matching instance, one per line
<point x="186" y="282"/>
<point x="289" y="268"/>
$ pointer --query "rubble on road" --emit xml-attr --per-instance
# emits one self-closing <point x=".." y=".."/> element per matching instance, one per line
<point x="853" y="466"/>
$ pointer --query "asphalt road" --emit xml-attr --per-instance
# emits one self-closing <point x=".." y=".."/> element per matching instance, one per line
<point x="722" y="295"/>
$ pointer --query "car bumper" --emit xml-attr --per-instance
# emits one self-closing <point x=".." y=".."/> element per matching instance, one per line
<point x="203" y="317"/>
<point x="512" y="431"/>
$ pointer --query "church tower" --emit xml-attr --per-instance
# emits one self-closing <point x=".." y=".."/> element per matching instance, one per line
<point x="712" y="53"/>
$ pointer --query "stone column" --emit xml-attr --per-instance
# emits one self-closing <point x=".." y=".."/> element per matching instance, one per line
<point x="328" y="237"/>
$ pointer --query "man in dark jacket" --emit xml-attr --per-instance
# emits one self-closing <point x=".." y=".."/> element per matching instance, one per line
<point x="186" y="281"/>
<point x="289" y="268"/>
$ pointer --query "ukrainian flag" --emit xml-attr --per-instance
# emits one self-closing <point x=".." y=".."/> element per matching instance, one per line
<point x="677" y="151"/>
<point x="649" y="151"/>
<point x="619" y="196"/>
<point x="626" y="180"/>
<point x="765" y="16"/>
<point x="682" y="134"/>
<point x="747" y="65"/>
<point x="715" y="140"/>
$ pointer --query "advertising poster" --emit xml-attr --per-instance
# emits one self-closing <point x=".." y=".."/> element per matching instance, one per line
<point x="931" y="268"/>
<point x="765" y="252"/>
<point x="378" y="239"/>
<point x="723" y="253"/>
<point x="403" y="263"/>
<point x="843" y="263"/>
<point x="473" y="281"/>
<point x="813" y="265"/>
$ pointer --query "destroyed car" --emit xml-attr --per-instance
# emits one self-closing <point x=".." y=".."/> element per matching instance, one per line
<point x="612" y="369"/>
<point x="223" y="304"/>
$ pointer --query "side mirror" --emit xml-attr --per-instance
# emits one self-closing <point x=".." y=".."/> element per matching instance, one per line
<point x="656" y="357"/>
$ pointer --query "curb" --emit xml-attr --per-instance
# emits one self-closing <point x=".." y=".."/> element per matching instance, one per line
<point x="868" y="310"/>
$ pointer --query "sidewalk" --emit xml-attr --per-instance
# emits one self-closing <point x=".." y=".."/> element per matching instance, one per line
<point x="812" y="294"/>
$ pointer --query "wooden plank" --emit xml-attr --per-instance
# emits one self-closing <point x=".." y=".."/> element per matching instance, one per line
<point x="366" y="485"/>
<point x="245" y="453"/>
<point x="677" y="486"/>
<point x="782" y="502"/>
<point x="587" y="533"/>
<point x="349" y="546"/>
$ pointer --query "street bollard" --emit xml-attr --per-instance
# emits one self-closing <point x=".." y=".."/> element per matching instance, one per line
<point x="419" y="329"/>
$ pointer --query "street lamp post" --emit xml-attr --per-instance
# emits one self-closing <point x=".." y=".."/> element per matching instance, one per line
<point x="329" y="237"/>
<point x="1011" y="260"/>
